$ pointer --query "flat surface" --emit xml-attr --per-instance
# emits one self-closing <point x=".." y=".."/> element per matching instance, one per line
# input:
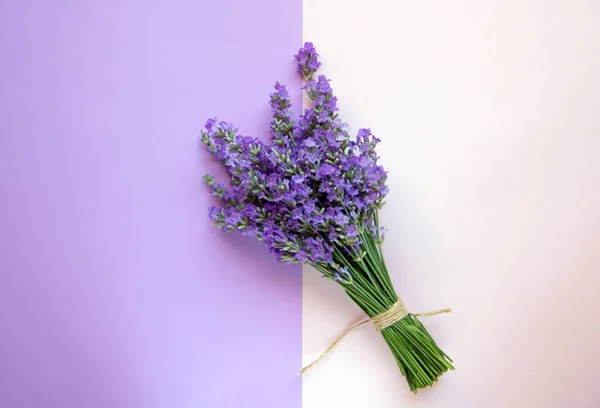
<point x="490" y="118"/>
<point x="115" y="290"/>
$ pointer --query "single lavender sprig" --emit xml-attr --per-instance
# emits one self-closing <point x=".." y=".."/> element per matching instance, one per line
<point x="308" y="62"/>
<point x="282" y="126"/>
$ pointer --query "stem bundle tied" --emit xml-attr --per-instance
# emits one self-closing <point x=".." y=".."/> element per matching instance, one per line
<point x="312" y="195"/>
<point x="417" y="355"/>
<point x="382" y="321"/>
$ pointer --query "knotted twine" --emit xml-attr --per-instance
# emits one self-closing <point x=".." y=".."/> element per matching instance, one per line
<point x="394" y="314"/>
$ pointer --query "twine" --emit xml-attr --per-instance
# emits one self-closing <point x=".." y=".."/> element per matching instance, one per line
<point x="394" y="314"/>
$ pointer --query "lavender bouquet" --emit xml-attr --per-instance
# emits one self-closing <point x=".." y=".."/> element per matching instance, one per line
<point x="313" y="196"/>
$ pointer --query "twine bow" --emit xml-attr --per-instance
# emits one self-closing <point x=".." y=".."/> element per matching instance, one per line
<point x="394" y="314"/>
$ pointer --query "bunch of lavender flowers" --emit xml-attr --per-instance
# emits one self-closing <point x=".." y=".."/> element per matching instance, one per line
<point x="313" y="196"/>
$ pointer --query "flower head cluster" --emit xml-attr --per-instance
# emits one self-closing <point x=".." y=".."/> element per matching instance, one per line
<point x="311" y="191"/>
<point x="308" y="62"/>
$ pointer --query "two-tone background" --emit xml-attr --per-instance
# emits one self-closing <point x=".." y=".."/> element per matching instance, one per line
<point x="116" y="292"/>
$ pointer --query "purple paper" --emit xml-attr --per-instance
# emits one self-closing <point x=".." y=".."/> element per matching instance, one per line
<point x="115" y="291"/>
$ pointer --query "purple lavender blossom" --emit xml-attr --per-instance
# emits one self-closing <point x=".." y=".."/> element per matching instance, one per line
<point x="308" y="63"/>
<point x="342" y="275"/>
<point x="308" y="192"/>
<point x="351" y="231"/>
<point x="341" y="219"/>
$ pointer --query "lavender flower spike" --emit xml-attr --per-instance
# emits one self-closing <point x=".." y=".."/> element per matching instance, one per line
<point x="308" y="63"/>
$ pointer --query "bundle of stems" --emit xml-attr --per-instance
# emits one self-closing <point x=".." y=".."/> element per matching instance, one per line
<point x="312" y="196"/>
<point x="419" y="358"/>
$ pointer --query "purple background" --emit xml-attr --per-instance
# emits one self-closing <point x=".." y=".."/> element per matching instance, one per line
<point x="115" y="290"/>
